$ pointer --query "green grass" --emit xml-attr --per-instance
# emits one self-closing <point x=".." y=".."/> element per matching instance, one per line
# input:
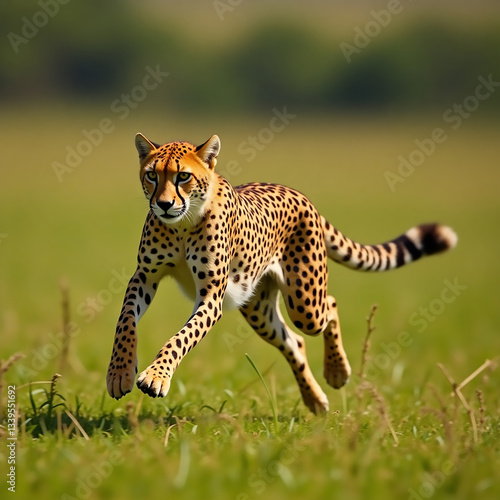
<point x="215" y="435"/>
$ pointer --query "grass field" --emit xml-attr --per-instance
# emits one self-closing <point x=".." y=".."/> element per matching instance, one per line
<point x="399" y="433"/>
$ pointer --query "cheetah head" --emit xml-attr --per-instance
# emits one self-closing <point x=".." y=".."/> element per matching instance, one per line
<point x="177" y="177"/>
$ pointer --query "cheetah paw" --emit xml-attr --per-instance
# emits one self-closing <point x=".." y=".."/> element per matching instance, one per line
<point x="314" y="397"/>
<point x="152" y="384"/>
<point x="317" y="405"/>
<point x="120" y="381"/>
<point x="337" y="376"/>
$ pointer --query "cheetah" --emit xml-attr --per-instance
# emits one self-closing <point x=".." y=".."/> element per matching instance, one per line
<point x="240" y="248"/>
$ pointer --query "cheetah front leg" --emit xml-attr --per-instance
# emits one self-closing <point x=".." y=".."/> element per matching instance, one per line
<point x="123" y="365"/>
<point x="155" y="379"/>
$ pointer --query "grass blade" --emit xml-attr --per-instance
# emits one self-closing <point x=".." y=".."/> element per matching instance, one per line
<point x="271" y="401"/>
<point x="184" y="461"/>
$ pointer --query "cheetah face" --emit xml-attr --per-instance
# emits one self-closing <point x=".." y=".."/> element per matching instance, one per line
<point x="177" y="177"/>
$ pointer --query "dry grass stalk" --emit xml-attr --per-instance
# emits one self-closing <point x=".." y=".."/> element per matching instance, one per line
<point x="235" y="424"/>
<point x="177" y="424"/>
<point x="381" y="406"/>
<point x="482" y="411"/>
<point x="66" y="324"/>
<point x="4" y="367"/>
<point x="139" y="405"/>
<point x="474" y="374"/>
<point x="457" y="391"/>
<point x="366" y="343"/>
<point x="133" y="419"/>
<point x="440" y="400"/>
<point x="36" y="382"/>
<point x="60" y="428"/>
<point x="77" y="425"/>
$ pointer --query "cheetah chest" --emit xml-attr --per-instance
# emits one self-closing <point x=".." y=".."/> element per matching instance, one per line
<point x="238" y="291"/>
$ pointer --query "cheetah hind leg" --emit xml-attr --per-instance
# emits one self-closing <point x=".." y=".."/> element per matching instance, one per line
<point x="264" y="316"/>
<point x="312" y="394"/>
<point x="336" y="365"/>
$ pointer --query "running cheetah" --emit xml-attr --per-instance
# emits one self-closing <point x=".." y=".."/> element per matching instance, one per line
<point x="240" y="247"/>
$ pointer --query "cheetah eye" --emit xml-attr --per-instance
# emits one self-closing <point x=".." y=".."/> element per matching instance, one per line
<point x="183" y="176"/>
<point x="151" y="176"/>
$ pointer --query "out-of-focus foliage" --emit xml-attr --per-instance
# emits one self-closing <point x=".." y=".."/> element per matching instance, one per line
<point x="94" y="50"/>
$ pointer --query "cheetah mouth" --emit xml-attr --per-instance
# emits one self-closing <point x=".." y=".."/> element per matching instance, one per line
<point x="170" y="217"/>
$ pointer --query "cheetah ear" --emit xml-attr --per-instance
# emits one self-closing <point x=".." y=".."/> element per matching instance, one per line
<point x="144" y="146"/>
<point x="208" y="151"/>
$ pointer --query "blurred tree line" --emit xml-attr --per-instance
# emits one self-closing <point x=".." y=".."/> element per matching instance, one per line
<point x="97" y="50"/>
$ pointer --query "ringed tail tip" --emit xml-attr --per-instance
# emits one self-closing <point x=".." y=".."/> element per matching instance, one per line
<point x="435" y="238"/>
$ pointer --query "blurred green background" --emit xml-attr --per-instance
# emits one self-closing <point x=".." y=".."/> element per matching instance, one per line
<point x="238" y="56"/>
<point x="74" y="89"/>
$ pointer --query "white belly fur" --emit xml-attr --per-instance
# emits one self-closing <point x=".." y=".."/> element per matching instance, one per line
<point x="236" y="294"/>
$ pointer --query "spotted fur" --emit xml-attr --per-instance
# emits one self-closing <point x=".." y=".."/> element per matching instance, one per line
<point x="241" y="247"/>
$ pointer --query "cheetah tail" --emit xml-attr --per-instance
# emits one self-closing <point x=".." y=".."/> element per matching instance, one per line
<point x="426" y="239"/>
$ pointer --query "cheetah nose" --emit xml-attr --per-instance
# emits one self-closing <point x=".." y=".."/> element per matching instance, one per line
<point x="165" y="205"/>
